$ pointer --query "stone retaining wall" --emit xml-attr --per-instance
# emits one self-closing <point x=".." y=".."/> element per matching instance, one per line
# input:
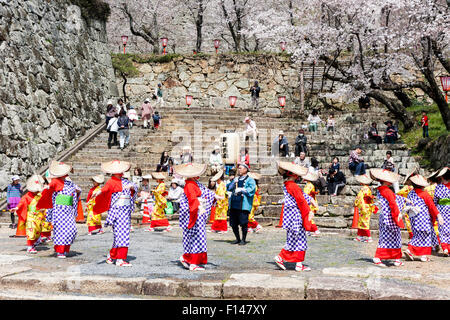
<point x="211" y="79"/>
<point x="55" y="75"/>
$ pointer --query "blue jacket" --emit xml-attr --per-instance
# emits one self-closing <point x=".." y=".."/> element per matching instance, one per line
<point x="248" y="193"/>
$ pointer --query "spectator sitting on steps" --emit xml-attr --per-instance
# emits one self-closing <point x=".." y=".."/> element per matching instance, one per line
<point x="314" y="120"/>
<point x="300" y="143"/>
<point x="215" y="160"/>
<point x="391" y="135"/>
<point x="244" y="158"/>
<point x="302" y="160"/>
<point x="175" y="193"/>
<point x="373" y="133"/>
<point x="281" y="144"/>
<point x="356" y="162"/>
<point x="163" y="165"/>
<point x="186" y="155"/>
<point x="336" y="181"/>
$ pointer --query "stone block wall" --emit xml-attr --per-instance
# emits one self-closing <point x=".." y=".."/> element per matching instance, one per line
<point x="55" y="76"/>
<point x="211" y="79"/>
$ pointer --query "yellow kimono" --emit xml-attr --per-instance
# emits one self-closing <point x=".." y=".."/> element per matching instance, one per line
<point x="94" y="221"/>
<point x="430" y="190"/>
<point x="160" y="202"/>
<point x="404" y="193"/>
<point x="364" y="204"/>
<point x="221" y="205"/>
<point x="255" y="205"/>
<point x="311" y="191"/>
<point x="34" y="219"/>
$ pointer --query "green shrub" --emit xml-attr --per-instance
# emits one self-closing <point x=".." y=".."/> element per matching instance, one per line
<point x="93" y="9"/>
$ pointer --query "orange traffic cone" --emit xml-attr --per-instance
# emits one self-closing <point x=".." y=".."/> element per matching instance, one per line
<point x="355" y="218"/>
<point x="146" y="219"/>
<point x="80" y="216"/>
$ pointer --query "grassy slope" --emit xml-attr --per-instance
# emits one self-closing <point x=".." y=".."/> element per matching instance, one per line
<point x="436" y="128"/>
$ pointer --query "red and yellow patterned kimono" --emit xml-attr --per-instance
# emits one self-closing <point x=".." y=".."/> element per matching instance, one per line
<point x="404" y="193"/>
<point x="94" y="221"/>
<point x="22" y="212"/>
<point x="430" y="190"/>
<point x="34" y="221"/>
<point x="158" y="215"/>
<point x="220" y="217"/>
<point x="252" y="224"/>
<point x="364" y="208"/>
<point x="311" y="191"/>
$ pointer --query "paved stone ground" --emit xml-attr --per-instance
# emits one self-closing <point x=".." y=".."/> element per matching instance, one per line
<point x="154" y="255"/>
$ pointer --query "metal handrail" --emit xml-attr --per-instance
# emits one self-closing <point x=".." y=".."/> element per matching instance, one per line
<point x="64" y="155"/>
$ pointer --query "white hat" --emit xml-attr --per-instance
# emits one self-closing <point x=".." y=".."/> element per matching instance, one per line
<point x="291" y="167"/>
<point x="363" y="179"/>
<point x="147" y="100"/>
<point x="384" y="175"/>
<point x="216" y="147"/>
<point x="59" y="169"/>
<point x="109" y="102"/>
<point x="115" y="166"/>
<point x="14" y="178"/>
<point x="179" y="182"/>
<point x="281" y="132"/>
<point x="246" y="119"/>
<point x="98" y="178"/>
<point x="217" y="176"/>
<point x="190" y="170"/>
<point x="35" y="183"/>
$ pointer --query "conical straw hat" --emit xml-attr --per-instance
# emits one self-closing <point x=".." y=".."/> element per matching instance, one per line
<point x="217" y="176"/>
<point x="419" y="180"/>
<point x="59" y="169"/>
<point x="442" y="172"/>
<point x="98" y="178"/>
<point x="35" y="183"/>
<point x="190" y="170"/>
<point x="433" y="175"/>
<point x="409" y="175"/>
<point x="310" y="176"/>
<point x="384" y="175"/>
<point x="292" y="167"/>
<point x="255" y="175"/>
<point x="115" y="166"/>
<point x="159" y="175"/>
<point x="363" y="179"/>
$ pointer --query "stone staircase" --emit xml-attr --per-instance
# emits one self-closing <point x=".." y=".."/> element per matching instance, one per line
<point x="201" y="128"/>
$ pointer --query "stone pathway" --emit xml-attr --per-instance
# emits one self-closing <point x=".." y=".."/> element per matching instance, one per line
<point x="341" y="268"/>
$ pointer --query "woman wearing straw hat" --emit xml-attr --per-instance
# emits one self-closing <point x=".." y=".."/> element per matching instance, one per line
<point x="117" y="197"/>
<point x="220" y="217"/>
<point x="404" y="191"/>
<point x="422" y="217"/>
<point x="47" y="227"/>
<point x="297" y="217"/>
<point x="94" y="221"/>
<point x="27" y="212"/>
<point x="390" y="219"/>
<point x="158" y="215"/>
<point x="253" y="225"/>
<point x="364" y="207"/>
<point x="62" y="195"/>
<point x="195" y="207"/>
<point x="442" y="201"/>
<point x="310" y="190"/>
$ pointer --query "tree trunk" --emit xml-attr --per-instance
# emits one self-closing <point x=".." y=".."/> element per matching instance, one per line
<point x="199" y="26"/>
<point x="434" y="92"/>
<point x="396" y="108"/>
<point x="123" y="88"/>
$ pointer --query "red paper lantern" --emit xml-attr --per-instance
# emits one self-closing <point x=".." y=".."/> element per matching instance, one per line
<point x="216" y="44"/>
<point x="124" y="41"/>
<point x="282" y="101"/>
<point x="164" y="43"/>
<point x="445" y="82"/>
<point x="283" y="45"/>
<point x="189" y="100"/>
<point x="232" y="100"/>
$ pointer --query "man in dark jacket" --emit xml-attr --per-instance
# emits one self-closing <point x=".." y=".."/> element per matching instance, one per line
<point x="300" y="143"/>
<point x="336" y="180"/>
<point x="254" y="90"/>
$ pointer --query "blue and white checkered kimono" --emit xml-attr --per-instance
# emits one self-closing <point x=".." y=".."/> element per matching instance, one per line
<point x="194" y="239"/>
<point x="420" y="223"/>
<point x="443" y="192"/>
<point x="63" y="216"/>
<point x="390" y="235"/>
<point x="293" y="224"/>
<point x="119" y="214"/>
